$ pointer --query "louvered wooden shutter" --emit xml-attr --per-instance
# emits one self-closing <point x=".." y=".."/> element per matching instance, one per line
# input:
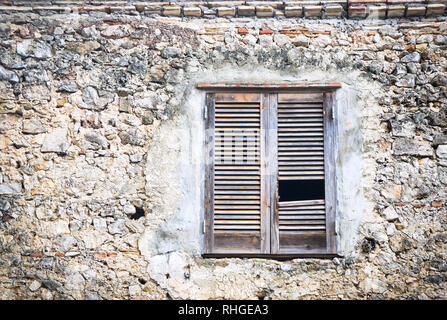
<point x="254" y="140"/>
<point x="235" y="218"/>
<point x="305" y="150"/>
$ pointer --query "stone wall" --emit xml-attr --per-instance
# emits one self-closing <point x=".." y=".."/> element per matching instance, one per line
<point x="101" y="181"/>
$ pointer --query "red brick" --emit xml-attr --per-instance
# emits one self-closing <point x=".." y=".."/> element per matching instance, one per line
<point x="436" y="204"/>
<point x="36" y="255"/>
<point x="242" y="30"/>
<point x="410" y="47"/>
<point x="418" y="205"/>
<point x="265" y="31"/>
<point x="111" y="254"/>
<point x="400" y="204"/>
<point x="100" y="254"/>
<point x="59" y="254"/>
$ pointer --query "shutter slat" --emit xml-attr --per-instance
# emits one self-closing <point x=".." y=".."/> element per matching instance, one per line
<point x="237" y="115"/>
<point x="299" y="144"/>
<point x="299" y="114"/>
<point x="302" y="222"/>
<point x="236" y="201"/>
<point x="235" y="227"/>
<point x="299" y="134"/>
<point x="300" y="138"/>
<point x="221" y="221"/>
<point x="249" y="169"/>
<point x="302" y="131"/>
<point x="300" y="153"/>
<point x="297" y="210"/>
<point x="298" y="228"/>
<point x="298" y="120"/>
<point x="236" y="207"/>
<point x="288" y="126"/>
<point x="296" y="158"/>
<point x="236" y="212"/>
<point x="292" y="168"/>
<point x="299" y="177"/>
<point x="236" y="188"/>
<point x="303" y="217"/>
<point x="300" y="163"/>
<point x="301" y="172"/>
<point x="301" y="203"/>
<point x="242" y="193"/>
<point x="299" y="148"/>
<point x="239" y="173"/>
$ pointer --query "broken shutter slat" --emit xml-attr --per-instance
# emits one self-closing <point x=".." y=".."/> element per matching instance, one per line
<point x="301" y="224"/>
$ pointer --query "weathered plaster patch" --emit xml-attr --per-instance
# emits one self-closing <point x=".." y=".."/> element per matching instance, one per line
<point x="176" y="160"/>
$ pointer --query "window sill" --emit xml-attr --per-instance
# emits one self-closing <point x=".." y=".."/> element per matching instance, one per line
<point x="273" y="256"/>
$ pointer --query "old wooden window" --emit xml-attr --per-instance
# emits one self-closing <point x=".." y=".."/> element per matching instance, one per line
<point x="270" y="171"/>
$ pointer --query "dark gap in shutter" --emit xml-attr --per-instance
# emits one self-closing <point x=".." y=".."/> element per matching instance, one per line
<point x="295" y="190"/>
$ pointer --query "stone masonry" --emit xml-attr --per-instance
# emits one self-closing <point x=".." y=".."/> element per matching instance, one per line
<point x="100" y="155"/>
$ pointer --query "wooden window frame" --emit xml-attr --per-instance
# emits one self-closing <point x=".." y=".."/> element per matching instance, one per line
<point x="268" y="120"/>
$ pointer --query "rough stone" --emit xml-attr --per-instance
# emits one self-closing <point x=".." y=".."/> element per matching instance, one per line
<point x="406" y="146"/>
<point x="35" y="49"/>
<point x="129" y="209"/>
<point x="74" y="282"/>
<point x="170" y="52"/>
<point x="56" y="141"/>
<point x="390" y="214"/>
<point x="408" y="81"/>
<point x="35" y="285"/>
<point x="134" y="290"/>
<point x="281" y="39"/>
<point x="375" y="67"/>
<point x="33" y="126"/>
<point x="132" y="136"/>
<point x="10" y="188"/>
<point x="4" y="205"/>
<point x="441" y="151"/>
<point x="411" y="57"/>
<point x="301" y="41"/>
<point x="118" y="227"/>
<point x="98" y="140"/>
<point x="96" y="99"/>
<point x="69" y="87"/>
<point x="66" y="242"/>
<point x="8" y="75"/>
<point x="51" y="284"/>
<point x="373" y="285"/>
